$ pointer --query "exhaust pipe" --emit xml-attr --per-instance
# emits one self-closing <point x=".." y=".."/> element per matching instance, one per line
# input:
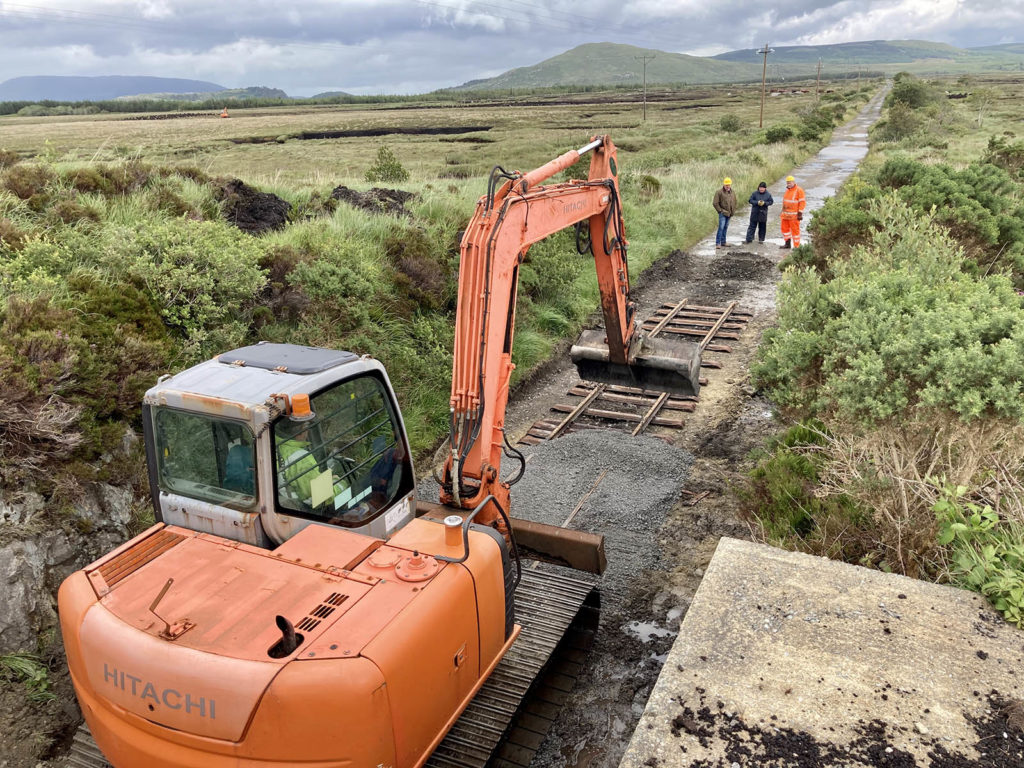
<point x="290" y="639"/>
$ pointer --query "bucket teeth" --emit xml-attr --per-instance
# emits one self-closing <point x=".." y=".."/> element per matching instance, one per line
<point x="662" y="365"/>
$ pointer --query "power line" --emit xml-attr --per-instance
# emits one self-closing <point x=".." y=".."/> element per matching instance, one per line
<point x="764" y="71"/>
<point x="645" y="59"/>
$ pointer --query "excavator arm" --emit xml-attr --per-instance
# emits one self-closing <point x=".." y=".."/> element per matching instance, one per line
<point x="507" y="221"/>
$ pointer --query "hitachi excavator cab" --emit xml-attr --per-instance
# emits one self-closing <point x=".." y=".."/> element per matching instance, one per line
<point x="265" y="440"/>
<point x="288" y="607"/>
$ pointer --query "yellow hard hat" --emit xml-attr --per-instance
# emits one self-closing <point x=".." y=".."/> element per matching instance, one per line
<point x="790" y="178"/>
<point x="727" y="180"/>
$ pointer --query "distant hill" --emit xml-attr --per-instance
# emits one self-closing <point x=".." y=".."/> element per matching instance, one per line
<point x="45" y="87"/>
<point x="1016" y="48"/>
<point x="864" y="53"/>
<point x="614" y="64"/>
<point x="920" y="56"/>
<point x="331" y="94"/>
<point x="225" y="94"/>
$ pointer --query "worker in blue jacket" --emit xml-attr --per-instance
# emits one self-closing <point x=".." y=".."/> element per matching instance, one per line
<point x="759" y="202"/>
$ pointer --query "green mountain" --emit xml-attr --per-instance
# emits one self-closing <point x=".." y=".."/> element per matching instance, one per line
<point x="614" y="64"/>
<point x="863" y="54"/>
<point x="40" y="87"/>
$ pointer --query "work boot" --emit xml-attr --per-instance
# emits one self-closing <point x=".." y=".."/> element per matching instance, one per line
<point x="747" y="242"/>
<point x="786" y="245"/>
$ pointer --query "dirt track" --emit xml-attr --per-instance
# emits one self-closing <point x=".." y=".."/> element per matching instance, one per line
<point x="645" y="597"/>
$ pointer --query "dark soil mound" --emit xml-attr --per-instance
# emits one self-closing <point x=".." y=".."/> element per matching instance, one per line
<point x="253" y="211"/>
<point x="741" y="266"/>
<point x="376" y="200"/>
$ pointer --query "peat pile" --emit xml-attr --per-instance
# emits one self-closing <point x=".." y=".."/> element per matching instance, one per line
<point x="375" y="200"/>
<point x="253" y="211"/>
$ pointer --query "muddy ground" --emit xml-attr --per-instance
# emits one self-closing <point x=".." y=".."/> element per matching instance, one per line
<point x="648" y="595"/>
<point x="648" y="589"/>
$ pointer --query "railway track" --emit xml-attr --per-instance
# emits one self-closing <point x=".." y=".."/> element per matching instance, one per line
<point x="548" y="602"/>
<point x="711" y="327"/>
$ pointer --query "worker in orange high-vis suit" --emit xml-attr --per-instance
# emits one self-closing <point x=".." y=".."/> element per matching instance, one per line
<point x="793" y="203"/>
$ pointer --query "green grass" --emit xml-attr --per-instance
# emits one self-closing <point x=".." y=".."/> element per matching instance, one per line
<point x="28" y="670"/>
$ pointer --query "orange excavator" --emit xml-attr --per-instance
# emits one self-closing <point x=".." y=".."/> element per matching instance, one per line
<point x="295" y="604"/>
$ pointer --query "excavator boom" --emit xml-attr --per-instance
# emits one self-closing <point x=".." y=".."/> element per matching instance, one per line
<point x="507" y="221"/>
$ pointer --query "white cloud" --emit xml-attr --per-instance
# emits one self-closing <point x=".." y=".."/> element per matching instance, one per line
<point x="414" y="45"/>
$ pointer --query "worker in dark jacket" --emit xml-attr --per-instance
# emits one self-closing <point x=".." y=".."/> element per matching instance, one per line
<point x="725" y="204"/>
<point x="759" y="202"/>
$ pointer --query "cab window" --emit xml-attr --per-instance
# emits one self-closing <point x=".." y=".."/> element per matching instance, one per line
<point x="348" y="462"/>
<point x="205" y="458"/>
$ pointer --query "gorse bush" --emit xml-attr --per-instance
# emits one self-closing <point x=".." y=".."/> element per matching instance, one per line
<point x="815" y="123"/>
<point x="778" y="133"/>
<point x="387" y="168"/>
<point x="730" y="123"/>
<point x="199" y="274"/>
<point x="900" y="326"/>
<point x="901" y="122"/>
<point x="912" y="92"/>
<point x="1006" y="154"/>
<point x="979" y="205"/>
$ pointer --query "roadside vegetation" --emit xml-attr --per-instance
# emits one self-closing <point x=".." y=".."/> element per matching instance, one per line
<point x="114" y="271"/>
<point x="898" y="359"/>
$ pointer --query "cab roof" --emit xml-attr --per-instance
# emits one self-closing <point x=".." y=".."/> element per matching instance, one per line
<point x="250" y="375"/>
<point x="288" y="358"/>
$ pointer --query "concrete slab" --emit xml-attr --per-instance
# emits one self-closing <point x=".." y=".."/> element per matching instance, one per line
<point x="786" y="659"/>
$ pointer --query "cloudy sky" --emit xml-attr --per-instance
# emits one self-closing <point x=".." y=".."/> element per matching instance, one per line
<point x="410" y="46"/>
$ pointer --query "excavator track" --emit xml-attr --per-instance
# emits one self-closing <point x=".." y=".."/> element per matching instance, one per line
<point x="548" y="602"/>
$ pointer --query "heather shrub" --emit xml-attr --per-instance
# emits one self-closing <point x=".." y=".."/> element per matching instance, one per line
<point x="11" y="237"/>
<point x="26" y="180"/>
<point x="421" y="277"/>
<point x="75" y="363"/>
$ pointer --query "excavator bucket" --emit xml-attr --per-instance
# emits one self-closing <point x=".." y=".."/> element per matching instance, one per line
<point x="661" y="365"/>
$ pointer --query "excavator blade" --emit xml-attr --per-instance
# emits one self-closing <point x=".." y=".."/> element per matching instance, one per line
<point x="661" y="365"/>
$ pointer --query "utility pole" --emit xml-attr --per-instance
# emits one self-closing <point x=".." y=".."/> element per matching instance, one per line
<point x="764" y="72"/>
<point x="645" y="59"/>
<point x="817" y="85"/>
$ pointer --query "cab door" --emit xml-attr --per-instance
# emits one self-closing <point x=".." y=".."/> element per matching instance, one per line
<point x="346" y="464"/>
